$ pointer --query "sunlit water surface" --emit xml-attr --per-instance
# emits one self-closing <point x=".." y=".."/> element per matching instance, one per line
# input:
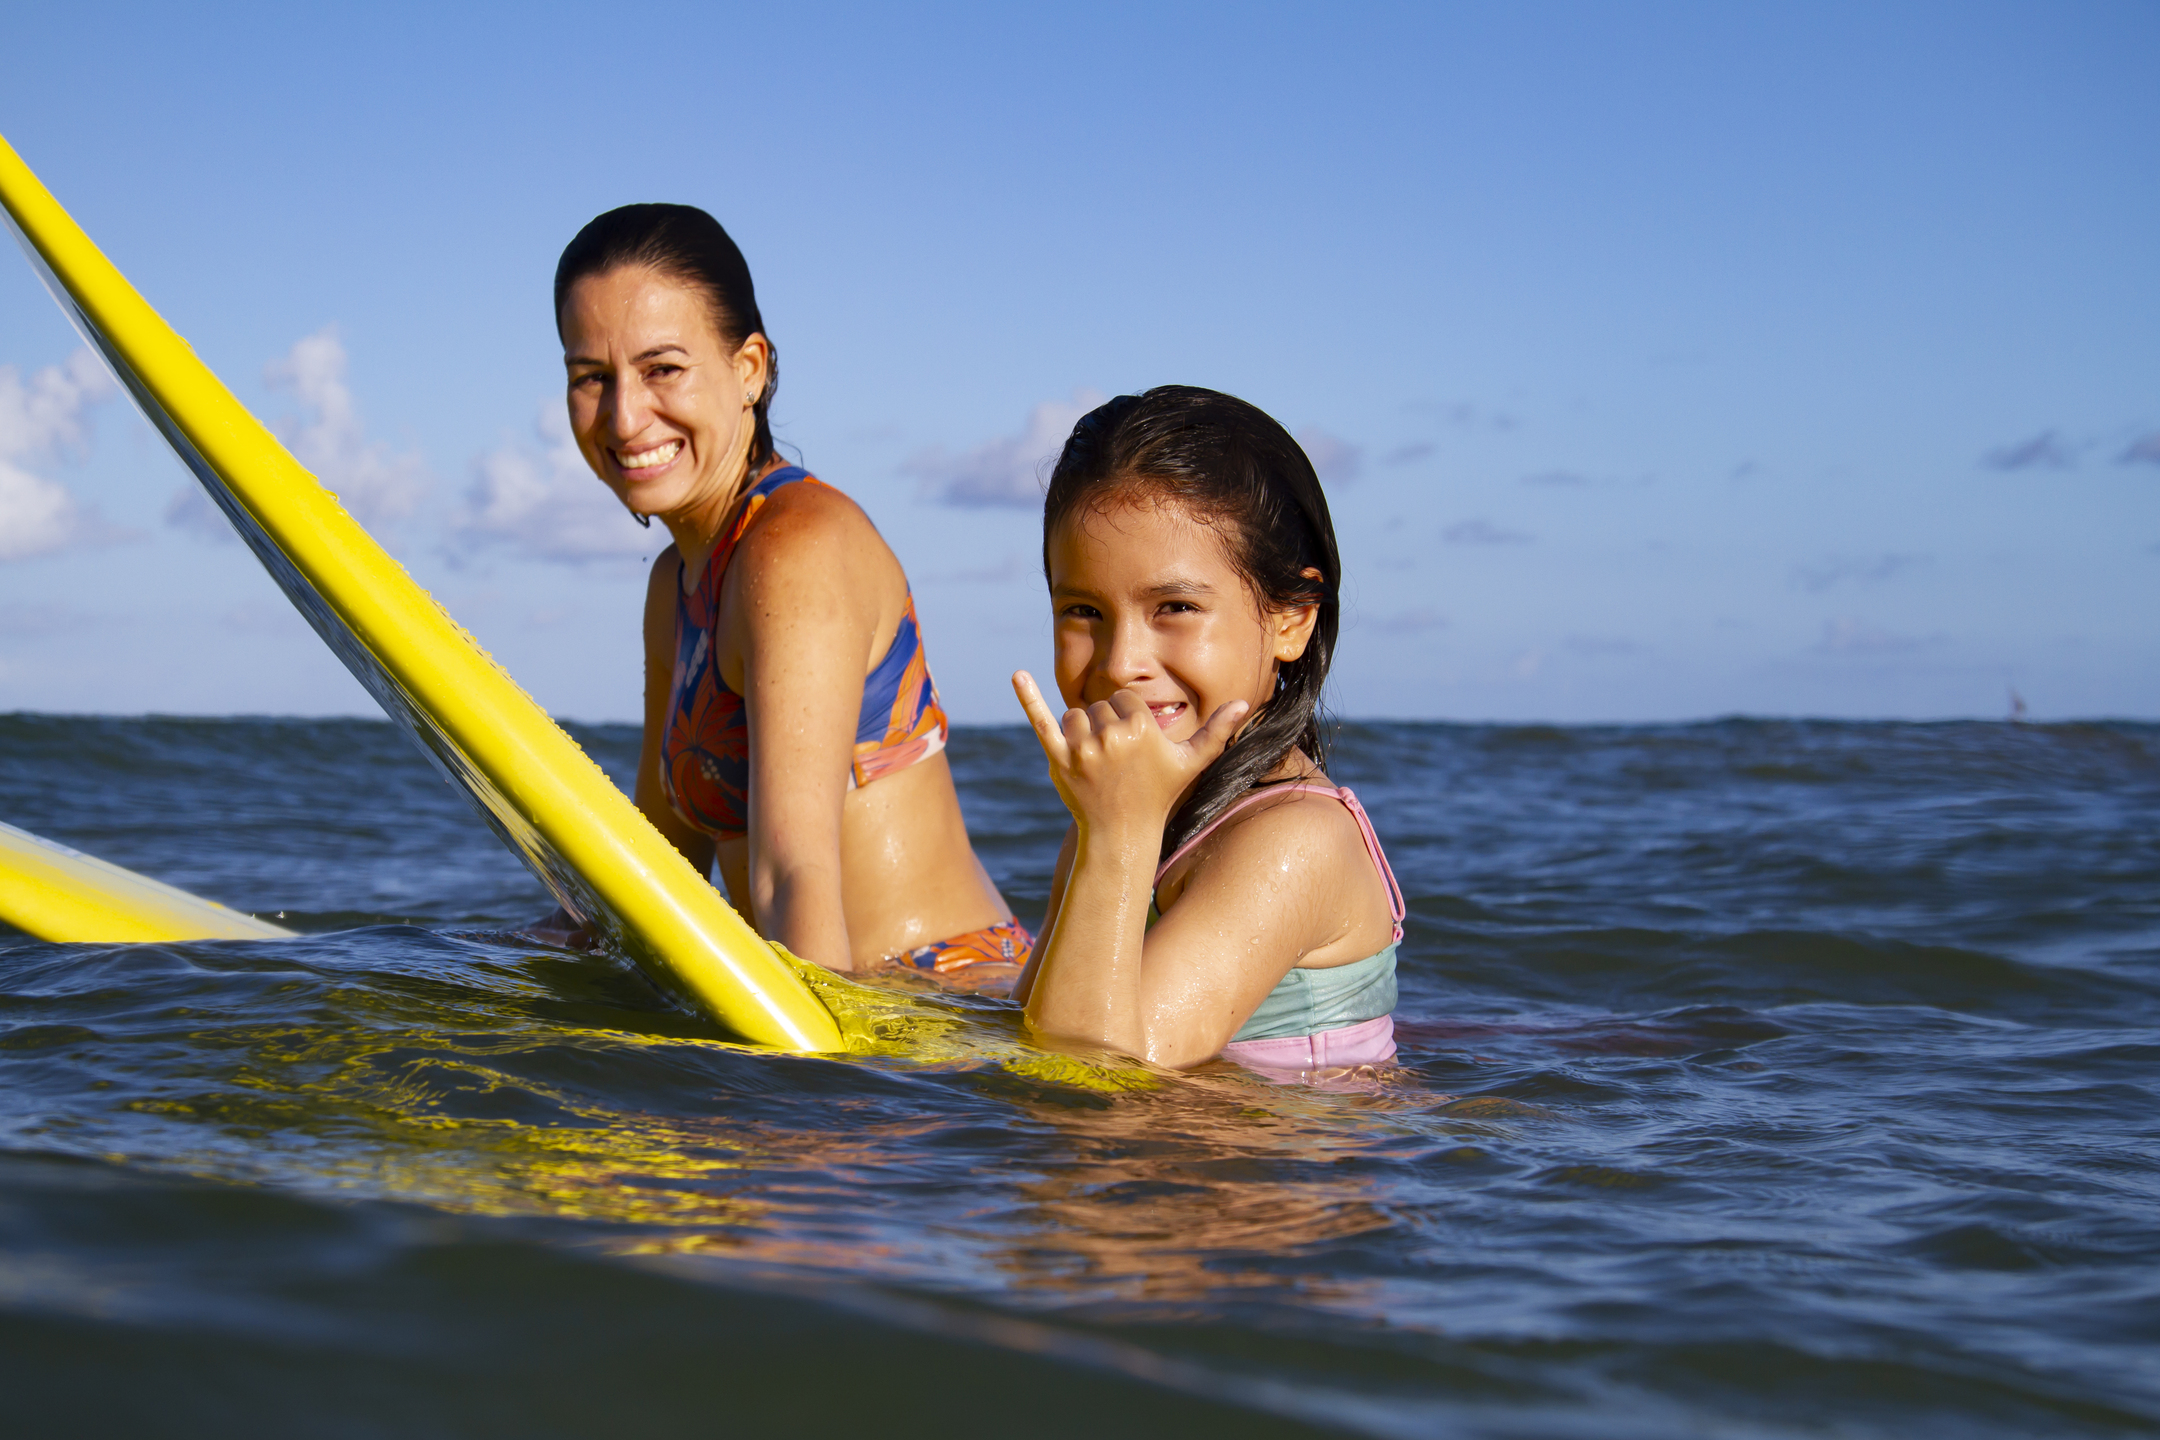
<point x="1759" y="1079"/>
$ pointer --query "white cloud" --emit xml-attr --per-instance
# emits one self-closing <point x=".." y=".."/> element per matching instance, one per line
<point x="548" y="504"/>
<point x="2045" y="451"/>
<point x="1010" y="471"/>
<point x="191" y="510"/>
<point x="1337" y="461"/>
<point x="373" y="483"/>
<point x="1848" y="635"/>
<point x="1482" y="532"/>
<point x="1410" y="622"/>
<point x="38" y="621"/>
<point x="45" y="413"/>
<point x="37" y="516"/>
<point x="1465" y="414"/>
<point x="39" y="418"/>
<point x="1595" y="645"/>
<point x="1820" y="576"/>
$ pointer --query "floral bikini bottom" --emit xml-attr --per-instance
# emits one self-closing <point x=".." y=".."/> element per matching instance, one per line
<point x="1005" y="943"/>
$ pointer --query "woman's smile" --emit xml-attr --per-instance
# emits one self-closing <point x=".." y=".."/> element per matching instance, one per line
<point x="647" y="462"/>
<point x="659" y="406"/>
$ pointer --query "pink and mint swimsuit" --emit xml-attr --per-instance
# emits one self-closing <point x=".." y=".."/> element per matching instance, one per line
<point x="1320" y="1019"/>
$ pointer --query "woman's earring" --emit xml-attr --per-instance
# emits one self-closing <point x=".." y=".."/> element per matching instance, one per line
<point x="644" y="520"/>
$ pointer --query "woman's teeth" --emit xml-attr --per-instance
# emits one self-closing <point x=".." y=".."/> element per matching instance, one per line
<point x="648" y="459"/>
<point x="1166" y="714"/>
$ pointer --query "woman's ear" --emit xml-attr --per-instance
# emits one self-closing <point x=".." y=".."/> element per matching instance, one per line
<point x="753" y="363"/>
<point x="1292" y="626"/>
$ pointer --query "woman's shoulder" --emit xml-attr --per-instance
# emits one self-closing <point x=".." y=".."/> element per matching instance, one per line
<point x="809" y="538"/>
<point x="810" y="514"/>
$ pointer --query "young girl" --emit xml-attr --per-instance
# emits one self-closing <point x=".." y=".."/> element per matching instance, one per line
<point x="1216" y="894"/>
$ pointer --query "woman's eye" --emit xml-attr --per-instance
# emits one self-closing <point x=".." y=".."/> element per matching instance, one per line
<point x="1178" y="607"/>
<point x="663" y="372"/>
<point x="1080" y="612"/>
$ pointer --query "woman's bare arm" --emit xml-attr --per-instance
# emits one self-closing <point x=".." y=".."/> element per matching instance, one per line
<point x="807" y="596"/>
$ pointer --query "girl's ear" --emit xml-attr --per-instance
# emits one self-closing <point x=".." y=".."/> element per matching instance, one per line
<point x="1291" y="629"/>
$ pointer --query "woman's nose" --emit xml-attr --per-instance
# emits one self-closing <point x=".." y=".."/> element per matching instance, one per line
<point x="630" y="406"/>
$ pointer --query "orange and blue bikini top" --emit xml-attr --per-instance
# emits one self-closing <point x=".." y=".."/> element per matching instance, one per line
<point x="705" y="743"/>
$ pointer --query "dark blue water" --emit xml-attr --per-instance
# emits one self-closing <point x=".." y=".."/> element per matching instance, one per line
<point x="1761" y="1079"/>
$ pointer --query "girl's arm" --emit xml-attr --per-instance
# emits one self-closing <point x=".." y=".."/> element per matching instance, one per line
<point x="806" y="599"/>
<point x="1177" y="993"/>
<point x="1058" y="876"/>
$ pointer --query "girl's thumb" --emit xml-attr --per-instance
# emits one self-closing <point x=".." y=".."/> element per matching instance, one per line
<point x="1211" y="739"/>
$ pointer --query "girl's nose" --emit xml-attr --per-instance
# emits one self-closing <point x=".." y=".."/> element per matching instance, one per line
<point x="1129" y="656"/>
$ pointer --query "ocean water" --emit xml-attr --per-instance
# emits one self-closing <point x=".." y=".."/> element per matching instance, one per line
<point x="1759" y="1079"/>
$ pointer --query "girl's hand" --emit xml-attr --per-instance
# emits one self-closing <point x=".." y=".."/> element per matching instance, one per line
<point x="1113" y="766"/>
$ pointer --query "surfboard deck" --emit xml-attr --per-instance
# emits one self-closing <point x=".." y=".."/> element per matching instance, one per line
<point x="588" y="844"/>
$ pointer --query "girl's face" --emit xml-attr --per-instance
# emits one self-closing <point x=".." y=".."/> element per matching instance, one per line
<point x="1144" y="598"/>
<point x="660" y="408"/>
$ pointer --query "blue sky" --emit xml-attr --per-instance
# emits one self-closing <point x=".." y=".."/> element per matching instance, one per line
<point x="1663" y="360"/>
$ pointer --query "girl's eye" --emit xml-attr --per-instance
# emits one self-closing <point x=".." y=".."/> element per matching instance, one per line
<point x="1178" y="607"/>
<point x="1080" y="612"/>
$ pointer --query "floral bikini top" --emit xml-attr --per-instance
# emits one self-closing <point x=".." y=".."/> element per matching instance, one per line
<point x="705" y="742"/>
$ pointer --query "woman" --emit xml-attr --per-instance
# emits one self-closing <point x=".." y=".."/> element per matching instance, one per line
<point x="792" y="731"/>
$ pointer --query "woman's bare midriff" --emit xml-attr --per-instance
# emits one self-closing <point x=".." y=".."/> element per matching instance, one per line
<point x="912" y="878"/>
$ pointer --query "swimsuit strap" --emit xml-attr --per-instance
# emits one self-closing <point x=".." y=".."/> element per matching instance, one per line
<point x="1396" y="908"/>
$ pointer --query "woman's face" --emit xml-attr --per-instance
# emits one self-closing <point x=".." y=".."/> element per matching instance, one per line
<point x="660" y="408"/>
<point x="1144" y="598"/>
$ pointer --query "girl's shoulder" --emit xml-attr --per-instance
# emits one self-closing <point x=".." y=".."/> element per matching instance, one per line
<point x="1301" y="832"/>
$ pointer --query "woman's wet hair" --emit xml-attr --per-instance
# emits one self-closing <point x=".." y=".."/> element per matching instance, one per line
<point x="683" y="243"/>
<point x="1230" y="466"/>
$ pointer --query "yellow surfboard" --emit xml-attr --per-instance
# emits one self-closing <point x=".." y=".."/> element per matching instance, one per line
<point x="547" y="799"/>
<point x="57" y="893"/>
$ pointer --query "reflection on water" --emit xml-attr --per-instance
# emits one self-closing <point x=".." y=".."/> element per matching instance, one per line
<point x="1756" y="1079"/>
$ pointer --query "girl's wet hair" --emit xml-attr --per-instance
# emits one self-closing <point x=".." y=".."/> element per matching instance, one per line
<point x="1229" y="465"/>
<point x="683" y="243"/>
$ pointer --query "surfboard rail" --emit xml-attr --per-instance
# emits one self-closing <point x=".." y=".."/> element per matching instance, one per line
<point x="592" y="848"/>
